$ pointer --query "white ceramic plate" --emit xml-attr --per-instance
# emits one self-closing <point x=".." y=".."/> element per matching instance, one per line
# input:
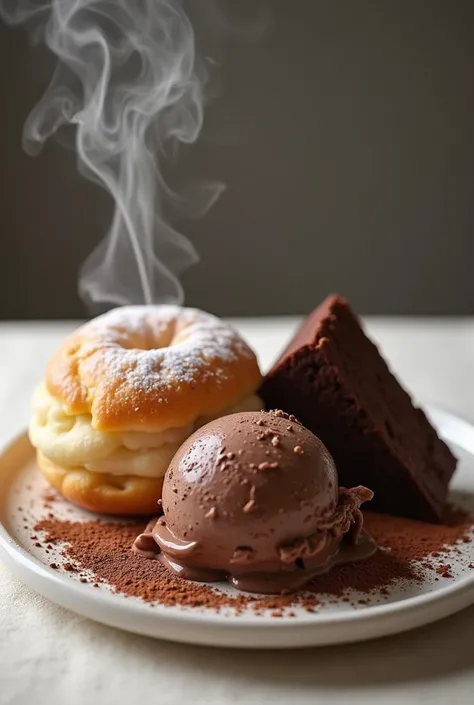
<point x="403" y="608"/>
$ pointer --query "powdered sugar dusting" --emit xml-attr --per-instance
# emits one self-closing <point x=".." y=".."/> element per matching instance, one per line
<point x="159" y="348"/>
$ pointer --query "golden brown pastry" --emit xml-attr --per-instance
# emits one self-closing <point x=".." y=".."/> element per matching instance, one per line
<point x="125" y="390"/>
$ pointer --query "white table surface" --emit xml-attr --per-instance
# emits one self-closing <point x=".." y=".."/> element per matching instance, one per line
<point x="51" y="656"/>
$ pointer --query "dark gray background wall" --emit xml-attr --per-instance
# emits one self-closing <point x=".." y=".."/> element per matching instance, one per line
<point x="345" y="135"/>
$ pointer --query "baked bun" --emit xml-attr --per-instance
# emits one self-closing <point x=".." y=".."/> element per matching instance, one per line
<point x="125" y="390"/>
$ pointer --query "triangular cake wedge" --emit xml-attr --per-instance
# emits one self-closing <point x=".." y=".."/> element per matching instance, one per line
<point x="334" y="380"/>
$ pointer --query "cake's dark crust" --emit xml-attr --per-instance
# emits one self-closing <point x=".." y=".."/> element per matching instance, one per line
<point x="334" y="380"/>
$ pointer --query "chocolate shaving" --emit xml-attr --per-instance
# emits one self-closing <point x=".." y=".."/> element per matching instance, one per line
<point x="250" y="506"/>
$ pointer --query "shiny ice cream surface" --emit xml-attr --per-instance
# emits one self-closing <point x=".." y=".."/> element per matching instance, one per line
<point x="253" y="498"/>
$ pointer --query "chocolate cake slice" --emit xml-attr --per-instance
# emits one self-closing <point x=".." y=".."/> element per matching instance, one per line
<point x="334" y="380"/>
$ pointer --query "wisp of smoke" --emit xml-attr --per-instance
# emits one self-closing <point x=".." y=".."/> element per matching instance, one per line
<point x="127" y="79"/>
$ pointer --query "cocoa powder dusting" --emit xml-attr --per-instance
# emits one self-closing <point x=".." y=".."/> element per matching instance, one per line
<point x="103" y="550"/>
<point x="415" y="540"/>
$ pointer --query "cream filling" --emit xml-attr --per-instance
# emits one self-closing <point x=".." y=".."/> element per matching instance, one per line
<point x="71" y="442"/>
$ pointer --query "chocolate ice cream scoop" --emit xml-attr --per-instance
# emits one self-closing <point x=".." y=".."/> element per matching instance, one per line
<point x="253" y="498"/>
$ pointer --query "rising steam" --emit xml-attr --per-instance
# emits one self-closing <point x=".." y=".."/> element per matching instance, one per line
<point x="128" y="80"/>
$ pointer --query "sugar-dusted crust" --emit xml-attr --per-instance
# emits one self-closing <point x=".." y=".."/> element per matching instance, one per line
<point x="150" y="368"/>
<point x="106" y="494"/>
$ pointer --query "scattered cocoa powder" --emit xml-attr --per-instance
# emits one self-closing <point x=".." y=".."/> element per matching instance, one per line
<point x="48" y="499"/>
<point x="103" y="550"/>
<point x="277" y="603"/>
<point x="382" y="570"/>
<point x="410" y="540"/>
<point x="444" y="570"/>
<point x="416" y="540"/>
